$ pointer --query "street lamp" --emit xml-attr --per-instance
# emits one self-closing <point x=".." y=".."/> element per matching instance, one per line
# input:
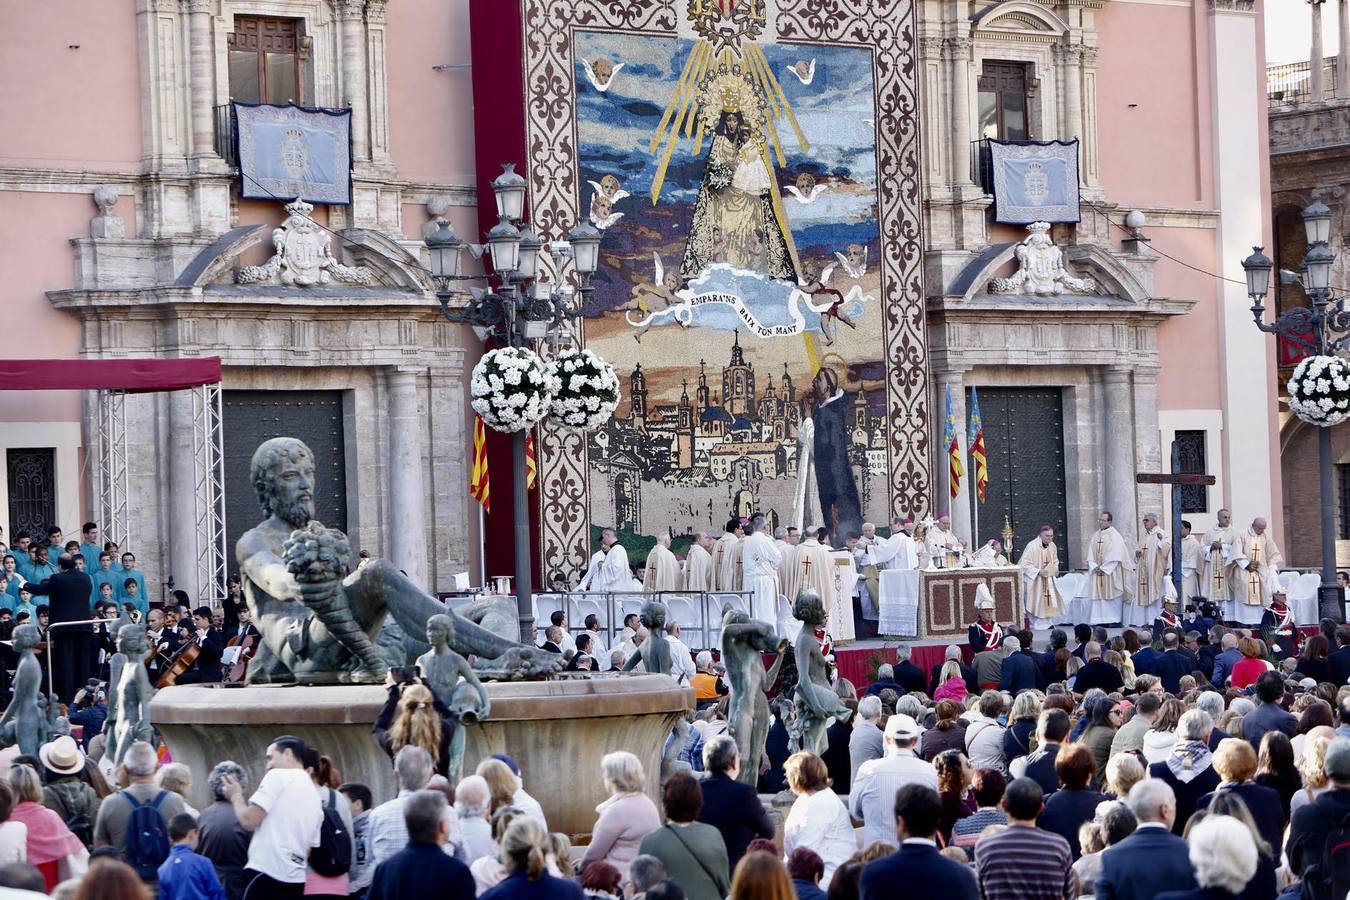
<point x="515" y="311"/>
<point x="1321" y="329"/>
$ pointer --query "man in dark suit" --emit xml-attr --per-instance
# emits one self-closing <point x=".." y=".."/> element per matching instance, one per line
<point x="422" y="869"/>
<point x="906" y="674"/>
<point x="1340" y="660"/>
<point x="1096" y="673"/>
<point x="1019" y="671"/>
<point x="1153" y="859"/>
<point x="68" y="647"/>
<point x="243" y="626"/>
<point x="1146" y="658"/>
<point x="210" y="645"/>
<point x="1172" y="665"/>
<point x="885" y="682"/>
<point x="1224" y="662"/>
<point x="731" y="806"/>
<point x="1269" y="715"/>
<point x="917" y="868"/>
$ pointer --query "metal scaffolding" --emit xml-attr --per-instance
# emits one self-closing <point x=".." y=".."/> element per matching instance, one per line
<point x="112" y="466"/>
<point x="208" y="463"/>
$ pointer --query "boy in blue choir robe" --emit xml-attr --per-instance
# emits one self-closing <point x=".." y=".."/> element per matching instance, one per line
<point x="90" y="548"/>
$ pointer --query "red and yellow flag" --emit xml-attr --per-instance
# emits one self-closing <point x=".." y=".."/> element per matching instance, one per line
<point x="952" y="439"/>
<point x="978" y="458"/>
<point x="531" y="464"/>
<point x="479" y="485"/>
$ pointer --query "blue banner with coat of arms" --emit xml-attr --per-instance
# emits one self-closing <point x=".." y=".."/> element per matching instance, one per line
<point x="1035" y="181"/>
<point x="288" y="151"/>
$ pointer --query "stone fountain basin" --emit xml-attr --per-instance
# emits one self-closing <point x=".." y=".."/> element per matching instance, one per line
<point x="556" y="730"/>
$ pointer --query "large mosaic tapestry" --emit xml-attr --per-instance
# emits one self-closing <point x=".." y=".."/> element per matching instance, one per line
<point x="753" y="167"/>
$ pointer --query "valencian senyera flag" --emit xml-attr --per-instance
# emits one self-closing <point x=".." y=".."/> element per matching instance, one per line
<point x="952" y="438"/>
<point x="975" y="438"/>
<point x="531" y="464"/>
<point x="479" y="485"/>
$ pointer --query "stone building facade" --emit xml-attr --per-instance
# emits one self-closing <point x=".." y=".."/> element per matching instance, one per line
<point x="1101" y="381"/>
<point x="371" y="370"/>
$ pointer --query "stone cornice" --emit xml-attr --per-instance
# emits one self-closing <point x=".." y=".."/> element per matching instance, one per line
<point x="170" y="301"/>
<point x="1097" y="310"/>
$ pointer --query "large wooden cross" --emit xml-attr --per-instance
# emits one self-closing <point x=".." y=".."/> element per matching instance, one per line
<point x="1176" y="480"/>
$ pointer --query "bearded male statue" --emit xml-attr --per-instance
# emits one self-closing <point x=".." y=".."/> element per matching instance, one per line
<point x="318" y="617"/>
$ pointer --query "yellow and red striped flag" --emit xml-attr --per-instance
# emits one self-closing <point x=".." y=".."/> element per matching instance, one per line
<point x="952" y="439"/>
<point x="978" y="458"/>
<point x="531" y="464"/>
<point x="479" y="484"/>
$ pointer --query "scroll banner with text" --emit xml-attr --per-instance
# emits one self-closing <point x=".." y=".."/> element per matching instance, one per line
<point x="290" y="151"/>
<point x="1035" y="181"/>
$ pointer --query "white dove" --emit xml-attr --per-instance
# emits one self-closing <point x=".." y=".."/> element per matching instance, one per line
<point x="590" y="76"/>
<point x="613" y="198"/>
<point x="804" y="79"/>
<point x="809" y="197"/>
<point x="853" y="271"/>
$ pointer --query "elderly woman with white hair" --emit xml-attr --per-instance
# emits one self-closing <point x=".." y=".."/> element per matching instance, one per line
<point x="1223" y="855"/>
<point x="707" y="684"/>
<point x="627" y="817"/>
<point x="1189" y="768"/>
<point x="473" y="799"/>
<point x="1212" y="703"/>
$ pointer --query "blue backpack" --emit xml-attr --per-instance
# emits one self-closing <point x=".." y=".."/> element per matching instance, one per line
<point x="147" y="835"/>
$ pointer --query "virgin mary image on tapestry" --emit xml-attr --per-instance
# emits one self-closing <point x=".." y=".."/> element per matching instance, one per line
<point x="728" y="151"/>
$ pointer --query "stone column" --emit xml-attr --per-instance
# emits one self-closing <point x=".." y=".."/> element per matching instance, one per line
<point x="1117" y="441"/>
<point x="407" y="521"/>
<point x="959" y="50"/>
<point x="960" y="506"/>
<point x="350" y="14"/>
<point x="1316" y="86"/>
<point x="1071" y="58"/>
<point x="1343" y="50"/>
<point x="181" y="562"/>
<point x="201" y="60"/>
<point x="1148" y="453"/>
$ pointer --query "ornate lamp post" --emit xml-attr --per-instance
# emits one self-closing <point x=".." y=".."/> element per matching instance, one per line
<point x="1320" y="329"/>
<point x="514" y="311"/>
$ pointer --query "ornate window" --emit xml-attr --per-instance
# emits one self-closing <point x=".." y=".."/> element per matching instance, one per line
<point x="31" y="475"/>
<point x="1003" y="99"/>
<point x="1194" y="497"/>
<point x="267" y="57"/>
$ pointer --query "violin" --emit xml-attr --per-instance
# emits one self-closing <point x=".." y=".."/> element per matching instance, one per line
<point x="178" y="664"/>
<point x="234" y="673"/>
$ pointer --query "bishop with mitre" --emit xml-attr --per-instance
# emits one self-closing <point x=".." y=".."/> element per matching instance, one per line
<point x="663" y="569"/>
<point x="1040" y="567"/>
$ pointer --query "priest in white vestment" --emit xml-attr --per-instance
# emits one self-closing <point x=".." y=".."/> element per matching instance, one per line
<point x="942" y="545"/>
<point x="1192" y="563"/>
<point x="592" y="570"/>
<point x="759" y="561"/>
<point x="662" y="572"/>
<point x="614" y="573"/>
<point x="897" y="551"/>
<point x="697" y="575"/>
<point x="1153" y="557"/>
<point x="1220" y="570"/>
<point x="1109" y="578"/>
<point x="784" y="539"/>
<point x="1040" y="567"/>
<point x="723" y="563"/>
<point x="990" y="556"/>
<point x="1259" y="561"/>
<point x="812" y="570"/>
<point x="737" y="552"/>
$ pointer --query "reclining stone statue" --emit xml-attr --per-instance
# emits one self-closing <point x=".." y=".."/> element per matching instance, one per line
<point x="319" y="618"/>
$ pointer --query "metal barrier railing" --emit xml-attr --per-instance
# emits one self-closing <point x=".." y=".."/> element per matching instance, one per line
<point x="699" y="614"/>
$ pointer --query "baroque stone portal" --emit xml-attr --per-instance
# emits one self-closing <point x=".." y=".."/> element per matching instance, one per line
<point x="1041" y="268"/>
<point x="304" y="256"/>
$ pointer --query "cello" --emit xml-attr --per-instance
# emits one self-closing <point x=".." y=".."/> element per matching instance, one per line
<point x="233" y="673"/>
<point x="179" y="663"/>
